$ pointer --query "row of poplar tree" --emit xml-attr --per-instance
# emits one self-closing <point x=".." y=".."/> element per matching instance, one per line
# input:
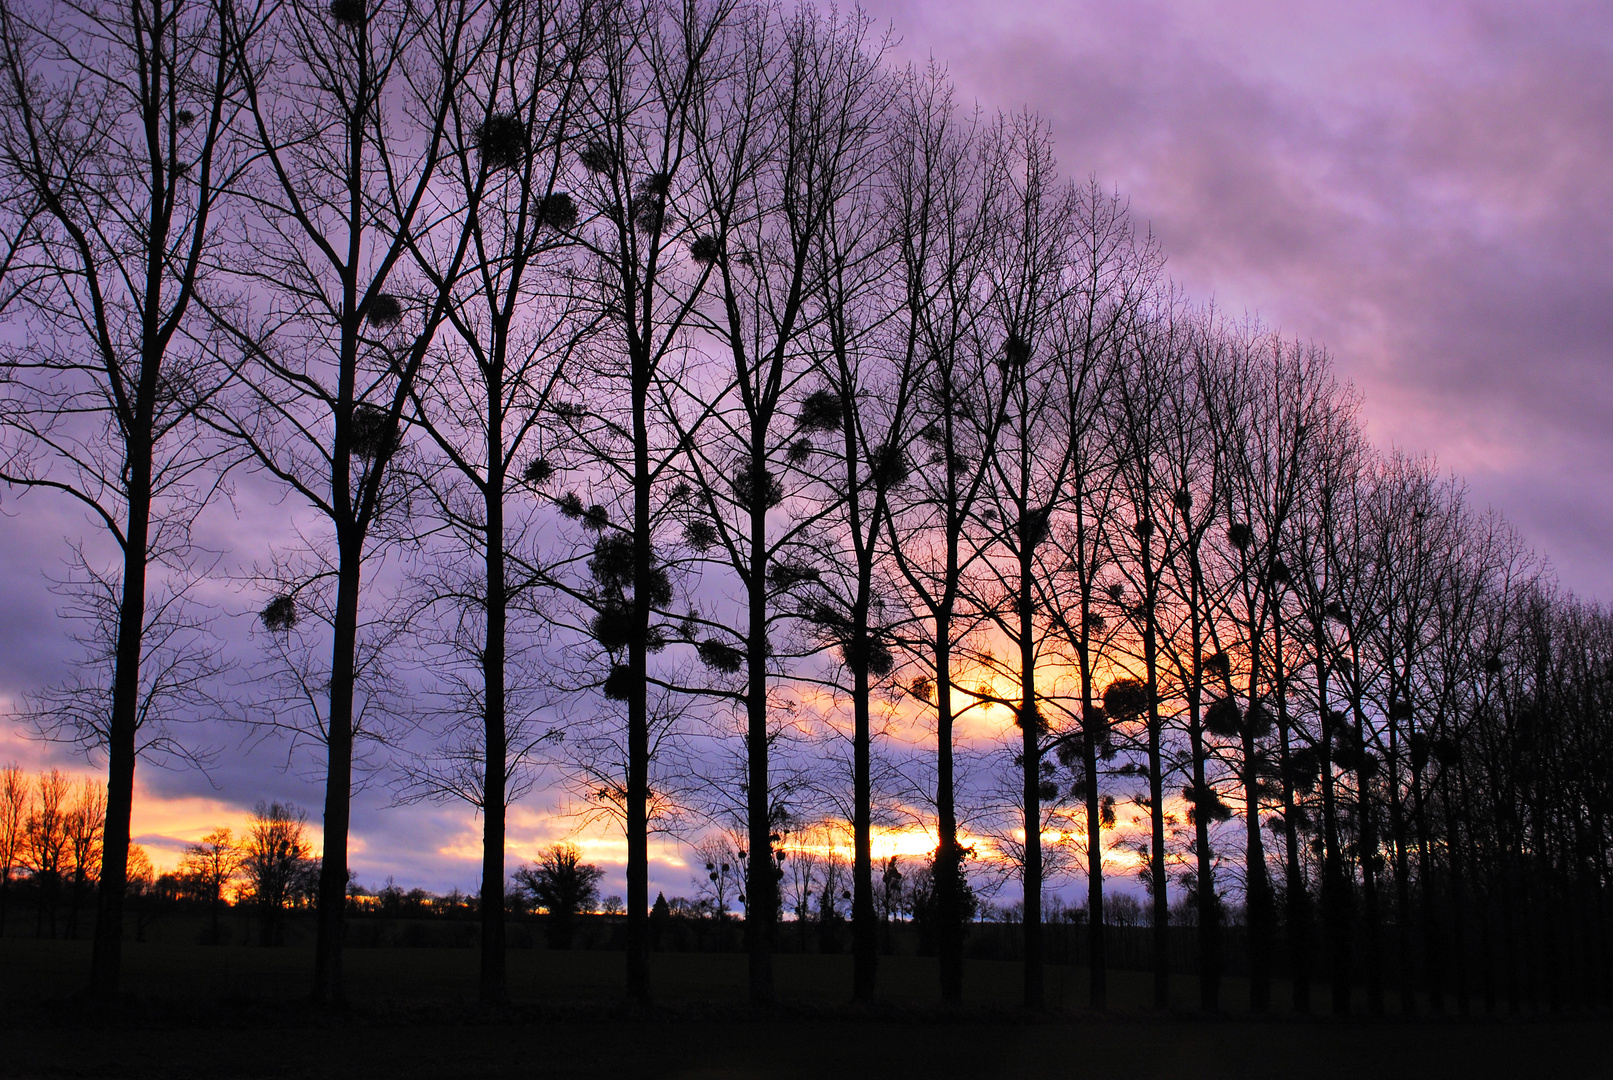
<point x="686" y="396"/>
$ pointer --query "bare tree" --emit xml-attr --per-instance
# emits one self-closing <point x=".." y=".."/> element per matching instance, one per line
<point x="114" y="138"/>
<point x="349" y="110"/>
<point x="1112" y="273"/>
<point x="719" y="872"/>
<point x="1030" y="466"/>
<point x="948" y="176"/>
<point x="516" y="317"/>
<point x="84" y="823"/>
<point x="209" y="866"/>
<point x="272" y="858"/>
<point x="774" y="153"/>
<point x="656" y="65"/>
<point x="15" y="796"/>
<point x="45" y="845"/>
<point x="1152" y="363"/>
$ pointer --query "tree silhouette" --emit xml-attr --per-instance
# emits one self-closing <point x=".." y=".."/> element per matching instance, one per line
<point x="562" y="885"/>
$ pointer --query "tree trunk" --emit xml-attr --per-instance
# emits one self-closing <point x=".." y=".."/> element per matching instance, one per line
<point x="761" y="907"/>
<point x="495" y="738"/>
<point x="328" y="989"/>
<point x="106" y="957"/>
<point x="1156" y="810"/>
<point x="1370" y="916"/>
<point x="864" y="925"/>
<point x="638" y="714"/>
<point x="1298" y="898"/>
<point x="1335" y="889"/>
<point x="947" y="874"/>
<point x="1030" y="726"/>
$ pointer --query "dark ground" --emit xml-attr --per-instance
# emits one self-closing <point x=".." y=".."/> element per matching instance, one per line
<point x="197" y="1011"/>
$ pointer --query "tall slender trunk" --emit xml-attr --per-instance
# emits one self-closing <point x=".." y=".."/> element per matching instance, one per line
<point x="1260" y="903"/>
<point x="948" y="872"/>
<point x="1156" y="795"/>
<point x="338" y="776"/>
<point x="1457" y="940"/>
<point x="864" y="923"/>
<point x="1208" y="903"/>
<point x="1260" y="907"/>
<point x="1298" y="897"/>
<point x="1091" y="728"/>
<point x="762" y="886"/>
<point x="495" y="733"/>
<point x="1406" y="968"/>
<point x="1432" y="935"/>
<point x="1097" y="958"/>
<point x="1031" y="751"/>
<point x="106" y="958"/>
<point x="1335" y="889"/>
<point x="1371" y="918"/>
<point x="638" y="714"/>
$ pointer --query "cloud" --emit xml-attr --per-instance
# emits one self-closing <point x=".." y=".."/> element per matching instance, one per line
<point x="1422" y="186"/>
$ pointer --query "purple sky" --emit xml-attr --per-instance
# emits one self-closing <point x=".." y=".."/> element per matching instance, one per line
<point x="1422" y="186"/>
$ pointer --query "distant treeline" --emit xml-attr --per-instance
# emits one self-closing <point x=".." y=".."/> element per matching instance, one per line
<point x="696" y="417"/>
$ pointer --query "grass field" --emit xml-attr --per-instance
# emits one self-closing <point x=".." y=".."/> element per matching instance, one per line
<point x="195" y="1011"/>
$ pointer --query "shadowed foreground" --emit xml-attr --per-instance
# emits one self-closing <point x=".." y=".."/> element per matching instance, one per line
<point x="200" y="1012"/>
